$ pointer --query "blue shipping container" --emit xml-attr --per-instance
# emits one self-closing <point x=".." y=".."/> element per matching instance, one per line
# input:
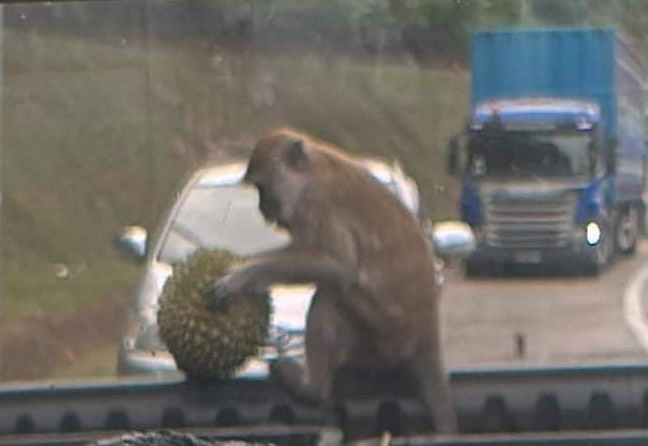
<point x="584" y="63"/>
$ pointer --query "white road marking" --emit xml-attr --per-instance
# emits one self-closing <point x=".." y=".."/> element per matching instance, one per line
<point x="633" y="309"/>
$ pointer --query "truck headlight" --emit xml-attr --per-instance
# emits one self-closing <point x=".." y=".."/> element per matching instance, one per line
<point x="592" y="233"/>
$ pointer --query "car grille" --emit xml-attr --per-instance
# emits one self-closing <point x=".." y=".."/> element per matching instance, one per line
<point x="529" y="222"/>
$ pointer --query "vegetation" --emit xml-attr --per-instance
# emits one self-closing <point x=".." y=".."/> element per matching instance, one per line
<point x="97" y="136"/>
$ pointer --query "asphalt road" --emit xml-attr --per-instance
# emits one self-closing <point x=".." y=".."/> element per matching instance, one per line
<point x="543" y="318"/>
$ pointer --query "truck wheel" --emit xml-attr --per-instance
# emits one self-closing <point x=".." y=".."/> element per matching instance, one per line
<point x="627" y="230"/>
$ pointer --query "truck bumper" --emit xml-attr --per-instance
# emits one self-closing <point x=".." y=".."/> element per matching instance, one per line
<point x="568" y="256"/>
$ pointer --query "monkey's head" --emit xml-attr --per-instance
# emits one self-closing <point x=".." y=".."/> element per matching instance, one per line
<point x="279" y="168"/>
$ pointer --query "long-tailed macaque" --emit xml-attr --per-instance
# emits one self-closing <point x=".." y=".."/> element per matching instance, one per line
<point x="376" y="304"/>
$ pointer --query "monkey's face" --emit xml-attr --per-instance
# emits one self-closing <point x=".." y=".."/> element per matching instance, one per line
<point x="269" y="206"/>
<point x="280" y="175"/>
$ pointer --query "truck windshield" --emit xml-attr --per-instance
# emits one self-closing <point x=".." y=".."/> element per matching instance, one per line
<point x="523" y="154"/>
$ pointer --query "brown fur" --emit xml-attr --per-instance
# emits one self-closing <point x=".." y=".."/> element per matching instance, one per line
<point x="376" y="303"/>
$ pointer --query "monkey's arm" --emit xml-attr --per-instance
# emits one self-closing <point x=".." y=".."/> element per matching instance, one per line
<point x="287" y="266"/>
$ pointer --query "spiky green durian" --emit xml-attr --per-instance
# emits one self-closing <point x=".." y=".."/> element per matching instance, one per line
<point x="209" y="344"/>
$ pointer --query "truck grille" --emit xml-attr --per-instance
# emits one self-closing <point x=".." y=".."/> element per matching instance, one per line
<point x="529" y="222"/>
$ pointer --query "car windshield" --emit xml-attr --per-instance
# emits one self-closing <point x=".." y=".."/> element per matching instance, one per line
<point x="219" y="217"/>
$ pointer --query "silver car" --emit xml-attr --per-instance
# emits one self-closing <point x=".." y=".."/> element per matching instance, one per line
<point x="216" y="210"/>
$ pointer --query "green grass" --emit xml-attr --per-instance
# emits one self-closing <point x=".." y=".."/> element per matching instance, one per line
<point x="40" y="291"/>
<point x="97" y="137"/>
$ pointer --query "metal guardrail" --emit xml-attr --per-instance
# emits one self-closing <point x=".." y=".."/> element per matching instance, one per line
<point x="516" y="401"/>
<point x="606" y="438"/>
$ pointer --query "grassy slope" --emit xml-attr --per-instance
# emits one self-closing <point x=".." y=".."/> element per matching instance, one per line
<point x="87" y="149"/>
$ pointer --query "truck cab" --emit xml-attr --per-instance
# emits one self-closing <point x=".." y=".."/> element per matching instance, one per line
<point x="552" y="158"/>
<point x="535" y="185"/>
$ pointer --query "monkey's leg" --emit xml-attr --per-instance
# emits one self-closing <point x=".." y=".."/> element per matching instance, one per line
<point x="434" y="387"/>
<point x="292" y="374"/>
<point x="328" y="339"/>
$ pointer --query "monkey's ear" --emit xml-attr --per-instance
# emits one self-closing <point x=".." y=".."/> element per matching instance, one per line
<point x="296" y="153"/>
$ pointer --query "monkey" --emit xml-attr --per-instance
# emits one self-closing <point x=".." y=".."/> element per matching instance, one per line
<point x="376" y="299"/>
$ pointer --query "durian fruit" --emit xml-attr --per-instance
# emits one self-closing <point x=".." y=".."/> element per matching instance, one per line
<point x="209" y="344"/>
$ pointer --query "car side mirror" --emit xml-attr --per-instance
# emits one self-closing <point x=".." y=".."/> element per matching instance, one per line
<point x="133" y="240"/>
<point x="452" y="239"/>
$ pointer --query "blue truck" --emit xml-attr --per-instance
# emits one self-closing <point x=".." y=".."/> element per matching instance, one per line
<point x="553" y="158"/>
